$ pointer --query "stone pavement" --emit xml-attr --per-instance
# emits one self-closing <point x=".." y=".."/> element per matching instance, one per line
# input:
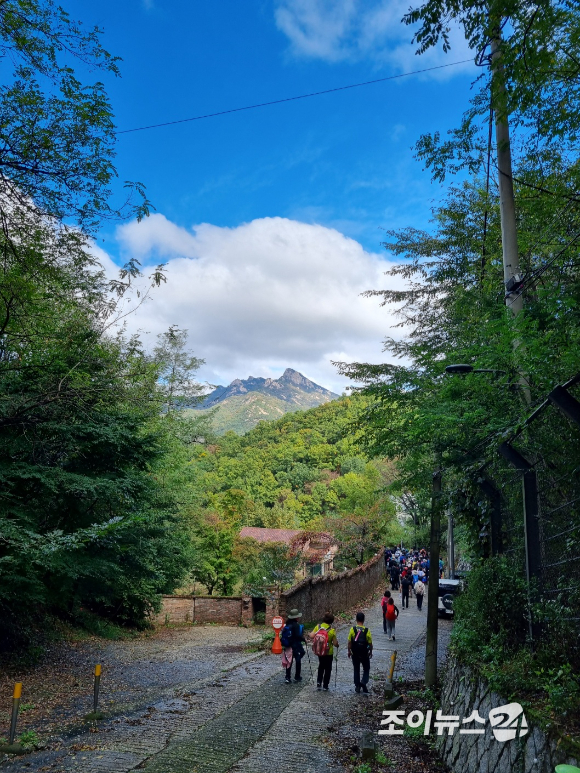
<point x="243" y="719"/>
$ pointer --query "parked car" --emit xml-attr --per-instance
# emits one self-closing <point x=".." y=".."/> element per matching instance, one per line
<point x="448" y="589"/>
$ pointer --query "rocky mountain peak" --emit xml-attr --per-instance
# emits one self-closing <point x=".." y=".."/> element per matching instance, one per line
<point x="292" y="387"/>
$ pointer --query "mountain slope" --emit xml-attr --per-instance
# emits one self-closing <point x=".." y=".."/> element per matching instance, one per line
<point x="244" y="403"/>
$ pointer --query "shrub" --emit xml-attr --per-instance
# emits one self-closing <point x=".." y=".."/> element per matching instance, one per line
<point x="491" y="615"/>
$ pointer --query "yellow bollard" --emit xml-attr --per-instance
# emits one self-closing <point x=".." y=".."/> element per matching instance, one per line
<point x="392" y="700"/>
<point x="15" y="705"/>
<point x="97" y="685"/>
<point x="95" y="713"/>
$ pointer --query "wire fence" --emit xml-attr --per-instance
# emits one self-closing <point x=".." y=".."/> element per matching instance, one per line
<point x="534" y="491"/>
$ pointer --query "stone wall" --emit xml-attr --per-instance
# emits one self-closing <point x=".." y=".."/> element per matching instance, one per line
<point x="226" y="610"/>
<point x="464" y="692"/>
<point x="332" y="593"/>
<point x="313" y="597"/>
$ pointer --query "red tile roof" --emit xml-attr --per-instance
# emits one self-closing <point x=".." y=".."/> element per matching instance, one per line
<point x="270" y="535"/>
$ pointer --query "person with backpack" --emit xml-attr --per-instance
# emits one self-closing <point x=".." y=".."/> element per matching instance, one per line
<point x="360" y="650"/>
<point x="391" y="615"/>
<point x="384" y="602"/>
<point x="405" y="587"/>
<point x="419" y="593"/>
<point x="323" y="642"/>
<point x="291" y="638"/>
<point x="395" y="578"/>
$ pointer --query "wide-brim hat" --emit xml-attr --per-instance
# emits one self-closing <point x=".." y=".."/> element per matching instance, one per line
<point x="293" y="614"/>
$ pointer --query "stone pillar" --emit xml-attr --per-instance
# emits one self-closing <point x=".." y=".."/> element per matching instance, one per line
<point x="247" y="617"/>
<point x="272" y="601"/>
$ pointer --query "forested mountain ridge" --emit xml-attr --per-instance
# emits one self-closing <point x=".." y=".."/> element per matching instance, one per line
<point x="241" y="413"/>
<point x="306" y="470"/>
<point x="246" y="402"/>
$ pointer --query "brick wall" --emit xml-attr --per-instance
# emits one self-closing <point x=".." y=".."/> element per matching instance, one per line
<point x="205" y="609"/>
<point x="313" y="597"/>
<point x="317" y="595"/>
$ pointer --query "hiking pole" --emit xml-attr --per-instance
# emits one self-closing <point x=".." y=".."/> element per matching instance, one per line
<point x="336" y="668"/>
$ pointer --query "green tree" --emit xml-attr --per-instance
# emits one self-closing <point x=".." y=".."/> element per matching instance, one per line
<point x="213" y="563"/>
<point x="82" y="520"/>
<point x="177" y="369"/>
<point x="274" y="571"/>
<point x="57" y="132"/>
<point x="538" y="85"/>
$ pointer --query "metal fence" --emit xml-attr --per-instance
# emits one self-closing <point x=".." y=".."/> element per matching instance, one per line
<point x="532" y="487"/>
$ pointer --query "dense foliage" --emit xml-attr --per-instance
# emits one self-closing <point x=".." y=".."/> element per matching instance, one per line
<point x="81" y="520"/>
<point x="83" y="525"/>
<point x="490" y="633"/>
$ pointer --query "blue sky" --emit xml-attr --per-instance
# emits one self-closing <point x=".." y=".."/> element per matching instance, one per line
<point x="293" y="174"/>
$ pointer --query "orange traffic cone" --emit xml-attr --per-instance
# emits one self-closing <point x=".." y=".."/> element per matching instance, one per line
<point x="277" y="625"/>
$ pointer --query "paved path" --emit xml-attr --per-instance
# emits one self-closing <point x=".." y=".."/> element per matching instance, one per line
<point x="244" y="719"/>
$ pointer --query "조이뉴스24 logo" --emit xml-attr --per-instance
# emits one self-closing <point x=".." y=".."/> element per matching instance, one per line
<point x="507" y="722"/>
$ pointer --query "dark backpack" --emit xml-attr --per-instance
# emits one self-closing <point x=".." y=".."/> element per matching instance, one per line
<point x="359" y="645"/>
<point x="286" y="637"/>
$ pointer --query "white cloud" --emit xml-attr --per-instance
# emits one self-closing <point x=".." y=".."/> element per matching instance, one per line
<point x="351" y="30"/>
<point x="269" y="294"/>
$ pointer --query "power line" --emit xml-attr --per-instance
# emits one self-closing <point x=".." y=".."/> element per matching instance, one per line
<point x="292" y="99"/>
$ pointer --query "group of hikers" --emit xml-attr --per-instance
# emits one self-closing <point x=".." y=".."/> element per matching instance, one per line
<point x="323" y="644"/>
<point x="408" y="571"/>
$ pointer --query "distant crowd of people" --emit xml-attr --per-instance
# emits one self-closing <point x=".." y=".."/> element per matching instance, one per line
<point x="408" y="571"/>
<point x="414" y="565"/>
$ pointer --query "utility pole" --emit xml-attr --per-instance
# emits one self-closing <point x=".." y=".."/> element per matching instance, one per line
<point x="509" y="234"/>
<point x="433" y="591"/>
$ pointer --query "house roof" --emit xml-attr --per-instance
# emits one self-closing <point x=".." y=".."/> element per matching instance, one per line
<point x="270" y="535"/>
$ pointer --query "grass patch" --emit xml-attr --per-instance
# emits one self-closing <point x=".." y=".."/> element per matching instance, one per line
<point x="94" y="625"/>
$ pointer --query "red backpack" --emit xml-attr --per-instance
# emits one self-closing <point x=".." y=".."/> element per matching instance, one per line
<point x="390" y="613"/>
<point x="320" y="645"/>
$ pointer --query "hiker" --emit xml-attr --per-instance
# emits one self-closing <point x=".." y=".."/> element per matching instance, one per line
<point x="405" y="587"/>
<point x="291" y="639"/>
<point x="395" y="578"/>
<point x="391" y="615"/>
<point x="323" y="642"/>
<point x="384" y="602"/>
<point x="387" y="557"/>
<point x="419" y="593"/>
<point x="360" y="649"/>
